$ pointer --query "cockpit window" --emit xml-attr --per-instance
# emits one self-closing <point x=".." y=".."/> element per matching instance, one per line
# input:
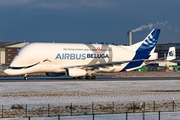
<point x="17" y="53"/>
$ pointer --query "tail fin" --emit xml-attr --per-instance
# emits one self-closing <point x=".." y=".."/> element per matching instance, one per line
<point x="148" y="44"/>
<point x="143" y="49"/>
<point x="171" y="54"/>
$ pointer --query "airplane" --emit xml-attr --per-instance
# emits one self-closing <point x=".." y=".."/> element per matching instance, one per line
<point x="171" y="54"/>
<point x="79" y="60"/>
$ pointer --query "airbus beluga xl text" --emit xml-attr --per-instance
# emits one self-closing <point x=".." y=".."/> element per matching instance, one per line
<point x="78" y="60"/>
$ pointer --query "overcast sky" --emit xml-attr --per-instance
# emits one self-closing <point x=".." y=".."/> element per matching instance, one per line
<point x="88" y="20"/>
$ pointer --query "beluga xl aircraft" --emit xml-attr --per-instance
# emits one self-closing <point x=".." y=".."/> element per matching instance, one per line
<point x="79" y="60"/>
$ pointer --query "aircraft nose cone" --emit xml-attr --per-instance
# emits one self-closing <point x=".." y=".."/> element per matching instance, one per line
<point x="12" y="72"/>
<point x="7" y="71"/>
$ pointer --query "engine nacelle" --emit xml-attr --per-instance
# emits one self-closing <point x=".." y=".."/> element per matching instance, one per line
<point x="75" y="72"/>
<point x="51" y="74"/>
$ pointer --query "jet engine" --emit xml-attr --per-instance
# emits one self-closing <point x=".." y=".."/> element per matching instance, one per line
<point x="76" y="72"/>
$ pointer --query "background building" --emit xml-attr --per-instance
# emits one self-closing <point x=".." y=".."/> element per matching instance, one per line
<point x="8" y="50"/>
<point x="162" y="49"/>
<point x="11" y="49"/>
<point x="2" y="52"/>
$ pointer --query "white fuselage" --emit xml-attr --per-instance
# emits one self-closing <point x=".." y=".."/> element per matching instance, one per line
<point x="54" y="57"/>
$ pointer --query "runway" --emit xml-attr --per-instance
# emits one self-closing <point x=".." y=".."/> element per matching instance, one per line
<point x="99" y="78"/>
<point x="44" y="90"/>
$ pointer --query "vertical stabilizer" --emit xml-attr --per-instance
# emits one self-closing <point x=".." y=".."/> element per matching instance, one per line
<point x="144" y="50"/>
<point x="149" y="43"/>
<point x="171" y="54"/>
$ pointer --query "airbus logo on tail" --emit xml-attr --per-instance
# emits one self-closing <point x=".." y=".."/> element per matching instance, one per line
<point x="76" y="56"/>
<point x="171" y="53"/>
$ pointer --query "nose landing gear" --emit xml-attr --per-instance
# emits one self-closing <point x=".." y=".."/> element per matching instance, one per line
<point x="26" y="77"/>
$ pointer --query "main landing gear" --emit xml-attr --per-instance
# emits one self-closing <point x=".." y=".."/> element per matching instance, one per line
<point x="86" y="77"/>
<point x="90" y="77"/>
<point x="81" y="77"/>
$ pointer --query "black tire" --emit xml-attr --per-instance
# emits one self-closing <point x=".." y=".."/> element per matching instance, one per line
<point x="88" y="77"/>
<point x="81" y="77"/>
<point x="93" y="77"/>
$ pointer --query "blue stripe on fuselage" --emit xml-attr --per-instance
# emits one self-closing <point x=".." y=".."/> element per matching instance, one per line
<point x="136" y="63"/>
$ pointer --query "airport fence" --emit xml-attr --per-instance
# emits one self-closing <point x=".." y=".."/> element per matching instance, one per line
<point x="123" y="116"/>
<point x="52" y="110"/>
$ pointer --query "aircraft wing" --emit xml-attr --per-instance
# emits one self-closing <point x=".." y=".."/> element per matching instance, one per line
<point x="171" y="55"/>
<point x="175" y="61"/>
<point x="103" y="65"/>
<point x="155" y="60"/>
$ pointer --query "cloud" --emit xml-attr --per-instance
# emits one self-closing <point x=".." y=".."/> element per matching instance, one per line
<point x="14" y="2"/>
<point x="56" y="4"/>
<point x="68" y="4"/>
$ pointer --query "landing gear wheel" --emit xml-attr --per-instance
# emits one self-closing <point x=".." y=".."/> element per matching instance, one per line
<point x="25" y="78"/>
<point x="88" y="77"/>
<point x="93" y="77"/>
<point x="80" y="77"/>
